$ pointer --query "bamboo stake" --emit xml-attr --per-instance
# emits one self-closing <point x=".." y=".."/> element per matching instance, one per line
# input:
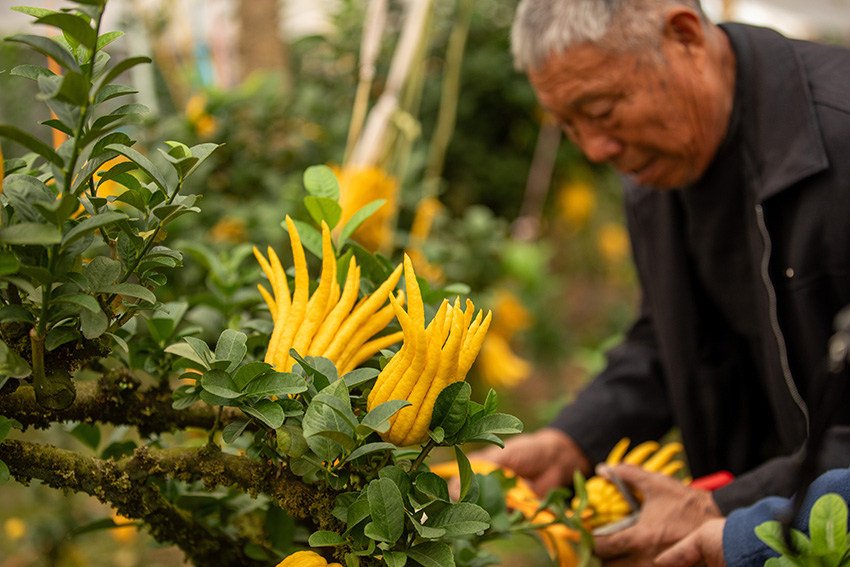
<point x="368" y="148"/>
<point x="447" y="114"/>
<point x="373" y="29"/>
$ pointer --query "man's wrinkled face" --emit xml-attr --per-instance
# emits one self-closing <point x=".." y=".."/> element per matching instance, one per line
<point x="652" y="118"/>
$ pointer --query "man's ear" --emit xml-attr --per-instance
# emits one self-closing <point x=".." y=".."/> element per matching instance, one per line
<point x="684" y="26"/>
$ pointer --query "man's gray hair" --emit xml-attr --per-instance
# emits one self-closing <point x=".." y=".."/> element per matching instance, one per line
<point x="543" y="27"/>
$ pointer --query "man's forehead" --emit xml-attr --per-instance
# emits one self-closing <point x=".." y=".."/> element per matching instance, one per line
<point x="578" y="75"/>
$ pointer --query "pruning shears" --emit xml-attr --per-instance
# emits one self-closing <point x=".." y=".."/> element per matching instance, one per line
<point x="708" y="482"/>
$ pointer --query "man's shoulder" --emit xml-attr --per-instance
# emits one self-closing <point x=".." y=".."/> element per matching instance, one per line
<point x="826" y="67"/>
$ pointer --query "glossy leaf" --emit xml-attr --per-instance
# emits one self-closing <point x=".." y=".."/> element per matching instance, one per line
<point x="387" y="511"/>
<point x="32" y="144"/>
<point x="266" y="411"/>
<point x="30" y="233"/>
<point x="320" y="181"/>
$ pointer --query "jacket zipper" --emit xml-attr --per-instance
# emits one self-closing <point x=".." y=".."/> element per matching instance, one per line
<point x="774" y="317"/>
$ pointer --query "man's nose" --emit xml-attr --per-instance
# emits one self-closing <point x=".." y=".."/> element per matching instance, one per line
<point x="596" y="144"/>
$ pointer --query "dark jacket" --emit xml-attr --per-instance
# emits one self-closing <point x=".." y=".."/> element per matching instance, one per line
<point x="729" y="356"/>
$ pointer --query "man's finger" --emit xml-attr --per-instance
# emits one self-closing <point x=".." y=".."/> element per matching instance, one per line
<point x="642" y="481"/>
<point x="613" y="546"/>
<point x="685" y="553"/>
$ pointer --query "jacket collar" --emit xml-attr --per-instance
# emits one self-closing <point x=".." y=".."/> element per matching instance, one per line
<point x="781" y="131"/>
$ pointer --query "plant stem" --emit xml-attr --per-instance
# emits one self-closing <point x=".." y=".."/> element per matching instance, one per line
<point x="211" y="439"/>
<point x="421" y="458"/>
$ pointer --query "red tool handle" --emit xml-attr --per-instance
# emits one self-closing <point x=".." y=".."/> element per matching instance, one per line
<point x="713" y="481"/>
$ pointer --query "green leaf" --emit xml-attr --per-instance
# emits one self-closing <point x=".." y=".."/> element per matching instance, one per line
<point x="219" y="383"/>
<point x="495" y="423"/>
<point x="360" y="376"/>
<point x="369" y="448"/>
<point x="290" y="441"/>
<point x="311" y="238"/>
<point x="433" y="486"/>
<point x="828" y="524"/>
<point x="324" y="538"/>
<point x="231" y="346"/>
<point x="30" y="233"/>
<point x="47" y="46"/>
<point x="232" y="431"/>
<point x="130" y="290"/>
<point x="395" y="558"/>
<point x="12" y="364"/>
<point x="144" y="164"/>
<point x="58" y="336"/>
<point x="323" y="209"/>
<point x="93" y="323"/>
<point x="33" y="11"/>
<point x="432" y="554"/>
<point x="450" y="408"/>
<point x="771" y="534"/>
<point x="377" y="418"/>
<point x="387" y="510"/>
<point x="72" y="25"/>
<point x="249" y="371"/>
<point x="105" y="39"/>
<point x="202" y="152"/>
<point x="186" y="351"/>
<point x="8" y="263"/>
<point x="112" y="91"/>
<point x="460" y="519"/>
<point x="72" y="88"/>
<point x="266" y="411"/>
<point x="465" y="470"/>
<point x="357" y="219"/>
<point x="491" y="402"/>
<point x="275" y="384"/>
<point x="4" y="473"/>
<point x="184" y="396"/>
<point x="90" y="225"/>
<point x="119" y="68"/>
<point x="320" y="181"/>
<point x="424" y="531"/>
<point x="326" y="431"/>
<point x="87" y="434"/>
<point x="31" y="72"/>
<point x="341" y="407"/>
<point x="102" y="271"/>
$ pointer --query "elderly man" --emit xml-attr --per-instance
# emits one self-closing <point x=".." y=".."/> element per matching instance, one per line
<point x="734" y="142"/>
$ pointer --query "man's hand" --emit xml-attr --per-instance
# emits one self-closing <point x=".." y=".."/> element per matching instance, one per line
<point x="703" y="547"/>
<point x="546" y="458"/>
<point x="670" y="512"/>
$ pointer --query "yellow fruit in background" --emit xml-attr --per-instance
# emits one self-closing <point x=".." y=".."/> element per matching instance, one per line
<point x="15" y="528"/>
<point x="357" y="188"/>
<point x="307" y="558"/>
<point x="576" y="202"/>
<point x="613" y="242"/>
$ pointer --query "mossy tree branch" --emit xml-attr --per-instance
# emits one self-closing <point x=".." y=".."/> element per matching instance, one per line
<point x="125" y="485"/>
<point x="117" y="403"/>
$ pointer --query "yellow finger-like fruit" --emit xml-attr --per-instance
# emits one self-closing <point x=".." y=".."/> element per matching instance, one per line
<point x="306" y="558"/>
<point x="429" y="360"/>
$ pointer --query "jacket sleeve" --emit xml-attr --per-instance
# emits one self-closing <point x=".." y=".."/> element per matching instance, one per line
<point x="776" y="477"/>
<point x="741" y="547"/>
<point x="627" y="398"/>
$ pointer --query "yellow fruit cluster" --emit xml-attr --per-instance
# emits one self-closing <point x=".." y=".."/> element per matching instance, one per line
<point x="605" y="504"/>
<point x="331" y="324"/>
<point x="307" y="558"/>
<point x="429" y="360"/>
